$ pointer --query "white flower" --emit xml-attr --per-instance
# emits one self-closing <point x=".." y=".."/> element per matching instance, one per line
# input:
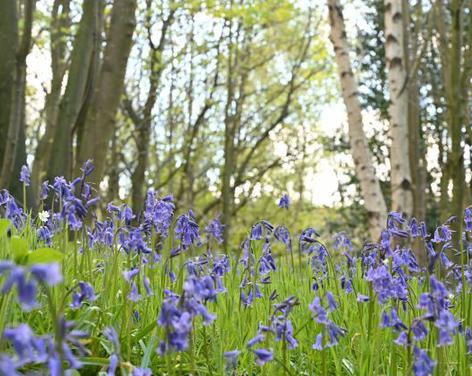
<point x="43" y="216"/>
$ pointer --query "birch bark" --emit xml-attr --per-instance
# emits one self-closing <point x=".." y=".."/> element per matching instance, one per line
<point x="400" y="175"/>
<point x="373" y="198"/>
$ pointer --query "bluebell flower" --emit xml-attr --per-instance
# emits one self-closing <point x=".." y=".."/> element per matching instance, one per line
<point x="331" y="302"/>
<point x="215" y="229"/>
<point x="402" y="339"/>
<point x="342" y="241"/>
<point x="419" y="330"/>
<point x="50" y="274"/>
<point x="147" y="286"/>
<point x="442" y="234"/>
<point x="447" y="326"/>
<point x="284" y="331"/>
<point x="319" y="312"/>
<point x="255" y="340"/>
<point x="318" y="345"/>
<point x="111" y="334"/>
<point x="8" y="366"/>
<point x="25" y="175"/>
<point x="86" y="293"/>
<point x="423" y="365"/>
<point x="284" y="201"/>
<point x="468" y="218"/>
<point x="186" y="229"/>
<point x="282" y="234"/>
<point x="468" y="340"/>
<point x="137" y="371"/>
<point x="134" y="294"/>
<point x="263" y="356"/>
<point x="28" y="347"/>
<point x="362" y="298"/>
<point x="335" y="332"/>
<point x="256" y="231"/>
<point x="87" y="168"/>
<point x="112" y="367"/>
<point x="231" y="359"/>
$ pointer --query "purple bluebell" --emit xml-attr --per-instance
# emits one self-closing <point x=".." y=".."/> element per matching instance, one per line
<point x="87" y="168"/>
<point x="284" y="201"/>
<point x="147" y="286"/>
<point x="442" y="234"/>
<point x="134" y="294"/>
<point x="319" y="312"/>
<point x="112" y="367"/>
<point x="137" y="371"/>
<point x="28" y="347"/>
<point x="402" y="339"/>
<point x="284" y="331"/>
<point x="423" y="365"/>
<point x="263" y="356"/>
<point x="331" y="301"/>
<point x="231" y="359"/>
<point x="110" y="333"/>
<point x="86" y="293"/>
<point x="468" y="340"/>
<point x="282" y="234"/>
<point x="8" y="366"/>
<point x="318" y="345"/>
<point x="215" y="229"/>
<point x="468" y="219"/>
<point x="447" y="326"/>
<point x="50" y="274"/>
<point x="362" y="298"/>
<point x="419" y="330"/>
<point x="25" y="175"/>
<point x="335" y="332"/>
<point x="257" y="339"/>
<point x="256" y="232"/>
<point x="186" y="229"/>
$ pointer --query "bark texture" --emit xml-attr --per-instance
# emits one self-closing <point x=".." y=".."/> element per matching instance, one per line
<point x="60" y="159"/>
<point x="8" y="46"/>
<point x="400" y="173"/>
<point x="100" y="120"/>
<point x="373" y="199"/>
<point x="15" y="146"/>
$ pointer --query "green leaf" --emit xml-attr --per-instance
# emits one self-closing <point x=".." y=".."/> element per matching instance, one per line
<point x="4" y="223"/>
<point x="45" y="256"/>
<point x="19" y="247"/>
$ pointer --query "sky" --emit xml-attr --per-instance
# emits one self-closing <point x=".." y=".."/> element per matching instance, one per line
<point x="321" y="184"/>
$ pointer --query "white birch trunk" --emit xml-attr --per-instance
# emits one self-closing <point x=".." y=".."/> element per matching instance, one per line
<point x="373" y="199"/>
<point x="400" y="174"/>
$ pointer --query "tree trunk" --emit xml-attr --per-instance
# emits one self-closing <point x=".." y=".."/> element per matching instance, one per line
<point x="373" y="199"/>
<point x="415" y="142"/>
<point x="144" y="124"/>
<point x="8" y="46"/>
<point x="400" y="175"/>
<point x="454" y="68"/>
<point x="60" y="160"/>
<point x="60" y="24"/>
<point x="100" y="120"/>
<point x="17" y="123"/>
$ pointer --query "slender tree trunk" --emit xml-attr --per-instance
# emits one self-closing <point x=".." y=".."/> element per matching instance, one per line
<point x="8" y="46"/>
<point x="17" y="123"/>
<point x="60" y="24"/>
<point x="99" y="124"/>
<point x="60" y="161"/>
<point x="373" y="199"/>
<point x="415" y="143"/>
<point x="228" y="166"/>
<point x="401" y="186"/>
<point x="453" y="65"/>
<point x="144" y="125"/>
